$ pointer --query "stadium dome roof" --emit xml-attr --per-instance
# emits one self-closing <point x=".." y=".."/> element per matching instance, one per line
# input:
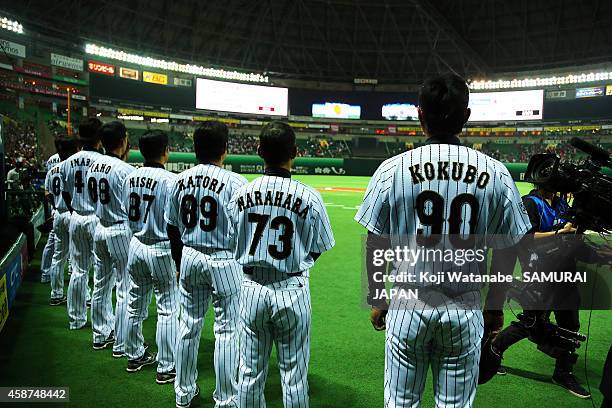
<point x="394" y="41"/>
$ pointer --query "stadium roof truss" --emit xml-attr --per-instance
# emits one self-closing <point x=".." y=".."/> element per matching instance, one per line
<point x="394" y="41"/>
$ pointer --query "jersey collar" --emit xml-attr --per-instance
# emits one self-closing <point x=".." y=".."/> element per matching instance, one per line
<point x="452" y="140"/>
<point x="277" y="172"/>
<point x="113" y="155"/>
<point x="153" y="164"/>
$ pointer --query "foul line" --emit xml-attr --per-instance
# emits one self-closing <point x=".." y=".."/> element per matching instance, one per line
<point x="342" y="190"/>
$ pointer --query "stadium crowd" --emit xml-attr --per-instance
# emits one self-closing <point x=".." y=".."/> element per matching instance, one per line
<point x="22" y="155"/>
<point x="521" y="153"/>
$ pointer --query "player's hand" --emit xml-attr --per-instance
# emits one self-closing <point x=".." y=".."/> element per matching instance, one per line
<point x="378" y="318"/>
<point x="568" y="228"/>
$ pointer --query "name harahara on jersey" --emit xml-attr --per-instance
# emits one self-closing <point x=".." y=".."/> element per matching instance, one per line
<point x="428" y="172"/>
<point x="200" y="181"/>
<point x="273" y="198"/>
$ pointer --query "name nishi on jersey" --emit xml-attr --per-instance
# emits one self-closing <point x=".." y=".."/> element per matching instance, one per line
<point x="143" y="182"/>
<point x="273" y="198"/>
<point x="444" y="170"/>
<point x="200" y="181"/>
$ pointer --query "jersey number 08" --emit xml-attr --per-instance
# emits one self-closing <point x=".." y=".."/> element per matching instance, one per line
<point x="99" y="190"/>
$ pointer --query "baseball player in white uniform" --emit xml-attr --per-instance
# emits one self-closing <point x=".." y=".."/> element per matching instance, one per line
<point x="61" y="221"/>
<point x="150" y="265"/>
<point x="105" y="182"/>
<point x="47" y="254"/>
<point x="83" y="219"/>
<point x="437" y="193"/>
<point x="282" y="227"/>
<point x="198" y="223"/>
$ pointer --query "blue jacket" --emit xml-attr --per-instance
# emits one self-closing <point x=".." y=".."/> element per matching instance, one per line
<point x="543" y="217"/>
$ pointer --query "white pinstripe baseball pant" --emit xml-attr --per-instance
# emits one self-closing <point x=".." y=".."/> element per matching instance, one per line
<point x="204" y="277"/>
<point x="81" y="231"/>
<point x="150" y="267"/>
<point x="446" y="337"/>
<point x="274" y="310"/>
<point x="47" y="254"/>
<point x="111" y="251"/>
<point x="61" y="225"/>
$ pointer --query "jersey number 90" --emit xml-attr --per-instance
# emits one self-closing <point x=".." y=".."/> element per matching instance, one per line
<point x="430" y="210"/>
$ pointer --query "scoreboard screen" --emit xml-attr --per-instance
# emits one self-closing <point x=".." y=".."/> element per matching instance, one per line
<point x="400" y="111"/>
<point x="506" y="106"/>
<point x="241" y="98"/>
<point x="334" y="110"/>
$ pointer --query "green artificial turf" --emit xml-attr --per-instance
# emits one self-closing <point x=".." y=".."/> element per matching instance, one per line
<point x="347" y="355"/>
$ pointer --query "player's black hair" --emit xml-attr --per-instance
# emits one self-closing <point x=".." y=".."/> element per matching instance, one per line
<point x="88" y="132"/>
<point x="66" y="146"/>
<point x="210" y="141"/>
<point x="443" y="102"/>
<point x="153" y="144"/>
<point x="277" y="143"/>
<point x="112" y="135"/>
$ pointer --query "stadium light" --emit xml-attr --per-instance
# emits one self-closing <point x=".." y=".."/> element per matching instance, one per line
<point x="11" y="25"/>
<point x="544" y="81"/>
<point x="198" y="70"/>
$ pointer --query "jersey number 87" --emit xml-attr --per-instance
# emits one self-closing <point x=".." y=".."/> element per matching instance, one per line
<point x="134" y="212"/>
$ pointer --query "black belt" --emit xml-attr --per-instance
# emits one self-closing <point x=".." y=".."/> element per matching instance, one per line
<point x="249" y="271"/>
<point x="150" y="241"/>
<point x="110" y="224"/>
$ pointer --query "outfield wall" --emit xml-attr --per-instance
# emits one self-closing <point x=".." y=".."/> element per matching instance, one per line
<point x="13" y="265"/>
<point x="248" y="164"/>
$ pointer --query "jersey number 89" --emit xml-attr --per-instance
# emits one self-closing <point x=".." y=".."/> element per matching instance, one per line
<point x="190" y="209"/>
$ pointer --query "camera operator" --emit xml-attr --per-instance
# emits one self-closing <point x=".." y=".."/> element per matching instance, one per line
<point x="545" y="209"/>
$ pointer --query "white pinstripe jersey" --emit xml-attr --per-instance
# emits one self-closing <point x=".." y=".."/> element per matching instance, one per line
<point x="105" y="182"/>
<point x="145" y="193"/>
<point x="54" y="185"/>
<point x="197" y="205"/>
<point x="443" y="189"/>
<point x="74" y="178"/>
<point x="279" y="222"/>
<point x="52" y="161"/>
